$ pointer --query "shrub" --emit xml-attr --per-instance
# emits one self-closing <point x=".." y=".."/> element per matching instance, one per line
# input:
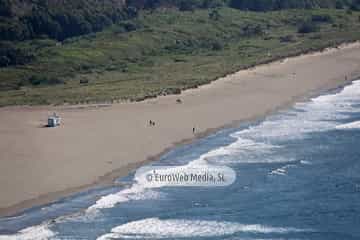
<point x="44" y="80"/>
<point x="339" y="5"/>
<point x="118" y="29"/>
<point x="212" y="3"/>
<point x="355" y="7"/>
<point x="322" y="18"/>
<point x="132" y="12"/>
<point x="12" y="55"/>
<point x="214" y="15"/>
<point x="4" y="61"/>
<point x="84" y="81"/>
<point x="5" y="8"/>
<point x="129" y="26"/>
<point x="171" y="91"/>
<point x="308" y="27"/>
<point x="187" y="5"/>
<point x="250" y="30"/>
<point x="287" y="38"/>
<point x="217" y="46"/>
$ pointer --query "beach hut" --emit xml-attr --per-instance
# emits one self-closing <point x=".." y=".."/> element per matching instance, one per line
<point x="54" y="121"/>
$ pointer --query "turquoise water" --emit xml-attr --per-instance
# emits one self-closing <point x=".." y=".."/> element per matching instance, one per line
<point x="298" y="177"/>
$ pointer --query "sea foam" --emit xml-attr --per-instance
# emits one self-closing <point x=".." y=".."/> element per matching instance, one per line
<point x="320" y="114"/>
<point x="352" y="125"/>
<point x="41" y="232"/>
<point x="135" y="192"/>
<point x="178" y="228"/>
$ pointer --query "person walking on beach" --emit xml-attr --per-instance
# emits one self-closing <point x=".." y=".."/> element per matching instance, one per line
<point x="193" y="130"/>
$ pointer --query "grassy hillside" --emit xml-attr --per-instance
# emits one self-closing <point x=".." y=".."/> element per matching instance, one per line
<point x="166" y="51"/>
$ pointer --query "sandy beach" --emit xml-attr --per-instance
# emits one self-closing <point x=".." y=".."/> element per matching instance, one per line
<point x="96" y="144"/>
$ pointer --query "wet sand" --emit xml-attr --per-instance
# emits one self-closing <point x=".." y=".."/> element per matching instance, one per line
<point x="98" y="143"/>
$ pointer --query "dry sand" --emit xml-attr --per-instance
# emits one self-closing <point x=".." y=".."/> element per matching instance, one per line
<point x="96" y="144"/>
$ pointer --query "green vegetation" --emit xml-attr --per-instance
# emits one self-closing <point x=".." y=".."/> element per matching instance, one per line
<point x="163" y="51"/>
<point x="58" y="19"/>
<point x="271" y="5"/>
<point x="308" y="27"/>
<point x="61" y="19"/>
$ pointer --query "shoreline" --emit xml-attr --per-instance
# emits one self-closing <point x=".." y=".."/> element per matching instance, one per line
<point x="160" y="103"/>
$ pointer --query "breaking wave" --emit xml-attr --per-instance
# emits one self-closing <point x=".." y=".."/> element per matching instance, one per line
<point x="156" y="228"/>
<point x="41" y="232"/>
<point x="352" y="125"/>
<point x="253" y="143"/>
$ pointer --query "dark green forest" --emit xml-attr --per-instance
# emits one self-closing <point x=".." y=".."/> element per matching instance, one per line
<point x="57" y="19"/>
<point x="271" y="5"/>
<point x="61" y="19"/>
<point x="81" y="51"/>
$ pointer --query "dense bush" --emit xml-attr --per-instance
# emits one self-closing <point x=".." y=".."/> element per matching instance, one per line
<point x="217" y="46"/>
<point x="44" y="80"/>
<point x="212" y="3"/>
<point x="129" y="26"/>
<point x="322" y="18"/>
<point x="11" y="55"/>
<point x="214" y="15"/>
<point x="288" y="38"/>
<point x="251" y="30"/>
<point x="5" y="8"/>
<point x="308" y="27"/>
<point x="27" y="19"/>
<point x="355" y="6"/>
<point x="188" y="5"/>
<point x="183" y="5"/>
<point x="64" y="19"/>
<point x="32" y="19"/>
<point x="268" y="5"/>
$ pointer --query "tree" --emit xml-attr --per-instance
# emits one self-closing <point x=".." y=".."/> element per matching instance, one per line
<point x="4" y="61"/>
<point x="250" y="30"/>
<point x="132" y="12"/>
<point x="268" y="5"/>
<point x="5" y="8"/>
<point x="308" y="27"/>
<point x="212" y="3"/>
<point x="187" y="5"/>
<point x="214" y="15"/>
<point x="339" y="5"/>
<point x="217" y="46"/>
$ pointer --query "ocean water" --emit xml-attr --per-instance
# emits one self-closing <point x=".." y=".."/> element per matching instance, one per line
<point x="298" y="177"/>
